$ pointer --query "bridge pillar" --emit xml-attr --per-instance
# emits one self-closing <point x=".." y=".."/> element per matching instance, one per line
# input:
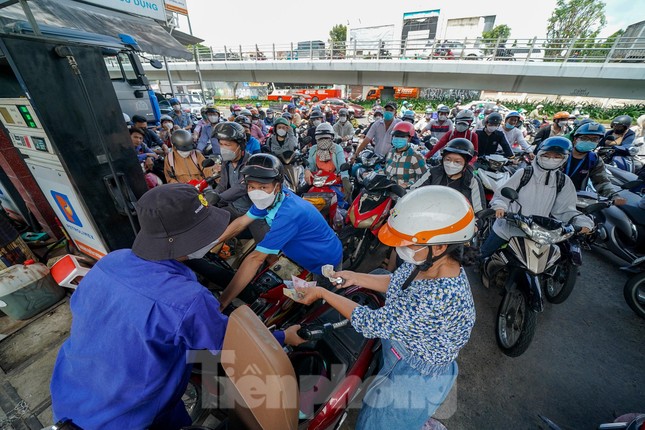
<point x="387" y="94"/>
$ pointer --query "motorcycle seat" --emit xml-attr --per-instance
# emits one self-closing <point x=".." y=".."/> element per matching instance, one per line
<point x="635" y="213"/>
<point x="622" y="175"/>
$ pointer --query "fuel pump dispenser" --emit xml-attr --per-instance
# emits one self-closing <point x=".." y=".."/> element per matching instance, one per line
<point x="64" y="119"/>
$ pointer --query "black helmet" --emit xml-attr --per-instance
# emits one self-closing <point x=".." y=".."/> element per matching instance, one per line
<point x="494" y="119"/>
<point x="465" y="115"/>
<point x="182" y="140"/>
<point x="245" y="121"/>
<point x="230" y="131"/>
<point x="625" y="120"/>
<point x="316" y="114"/>
<point x="443" y="109"/>
<point x="461" y="146"/>
<point x="264" y="168"/>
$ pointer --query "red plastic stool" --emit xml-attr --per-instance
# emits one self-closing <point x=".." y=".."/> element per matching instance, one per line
<point x="68" y="271"/>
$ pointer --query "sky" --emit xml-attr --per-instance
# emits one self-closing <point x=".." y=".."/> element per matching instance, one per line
<point x="233" y="23"/>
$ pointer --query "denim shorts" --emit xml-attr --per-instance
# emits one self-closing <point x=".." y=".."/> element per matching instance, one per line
<point x="400" y="396"/>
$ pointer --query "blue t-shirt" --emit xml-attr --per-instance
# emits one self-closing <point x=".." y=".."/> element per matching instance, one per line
<point x="125" y="360"/>
<point x="300" y="232"/>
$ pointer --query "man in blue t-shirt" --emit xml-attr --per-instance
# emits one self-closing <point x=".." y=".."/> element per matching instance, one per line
<point x="136" y="315"/>
<point x="296" y="227"/>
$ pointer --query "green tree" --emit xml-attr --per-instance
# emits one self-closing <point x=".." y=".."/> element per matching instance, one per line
<point x="501" y="32"/>
<point x="337" y="39"/>
<point x="573" y="19"/>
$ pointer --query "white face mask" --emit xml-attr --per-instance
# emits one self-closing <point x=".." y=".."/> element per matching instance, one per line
<point x="202" y="251"/>
<point x="184" y="154"/>
<point x="461" y="127"/>
<point x="176" y="108"/>
<point x="550" y="163"/>
<point x="491" y="128"/>
<point x="443" y="117"/>
<point x="227" y="154"/>
<point x="255" y="121"/>
<point x="452" y="168"/>
<point x="281" y="132"/>
<point x="407" y="254"/>
<point x="262" y="199"/>
<point x="167" y="125"/>
<point x="343" y="119"/>
<point x="428" y="116"/>
<point x="317" y="122"/>
<point x="213" y="118"/>
<point x="563" y="124"/>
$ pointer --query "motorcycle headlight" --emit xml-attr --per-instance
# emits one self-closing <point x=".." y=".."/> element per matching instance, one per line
<point x="543" y="236"/>
<point x="583" y="203"/>
<point x="368" y="161"/>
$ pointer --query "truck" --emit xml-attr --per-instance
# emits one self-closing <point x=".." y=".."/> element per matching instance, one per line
<point x="399" y="93"/>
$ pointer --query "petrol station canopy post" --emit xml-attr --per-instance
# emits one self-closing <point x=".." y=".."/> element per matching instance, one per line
<point x="149" y="33"/>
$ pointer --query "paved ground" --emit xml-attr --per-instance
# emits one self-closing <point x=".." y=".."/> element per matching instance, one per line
<point x="585" y="365"/>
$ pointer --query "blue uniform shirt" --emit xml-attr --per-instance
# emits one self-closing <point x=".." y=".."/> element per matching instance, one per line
<point x="253" y="146"/>
<point x="300" y="232"/>
<point x="125" y="360"/>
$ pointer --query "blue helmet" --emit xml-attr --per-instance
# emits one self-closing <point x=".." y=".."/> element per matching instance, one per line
<point x="408" y="115"/>
<point x="590" y="129"/>
<point x="512" y="114"/>
<point x="558" y="144"/>
<point x="291" y="106"/>
<point x="174" y="101"/>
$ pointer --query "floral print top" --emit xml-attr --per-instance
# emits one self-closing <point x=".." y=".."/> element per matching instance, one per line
<point x="432" y="318"/>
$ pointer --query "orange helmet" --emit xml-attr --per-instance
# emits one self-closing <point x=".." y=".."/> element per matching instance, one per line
<point x="561" y="115"/>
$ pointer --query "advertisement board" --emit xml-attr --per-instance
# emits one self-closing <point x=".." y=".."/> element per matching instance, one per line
<point x="151" y="8"/>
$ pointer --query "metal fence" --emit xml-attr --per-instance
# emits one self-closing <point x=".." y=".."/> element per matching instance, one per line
<point x="587" y="50"/>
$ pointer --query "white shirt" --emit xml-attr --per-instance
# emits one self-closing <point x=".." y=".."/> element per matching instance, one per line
<point x="515" y="135"/>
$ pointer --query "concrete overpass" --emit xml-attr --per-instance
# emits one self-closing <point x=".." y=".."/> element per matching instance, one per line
<point x="607" y="79"/>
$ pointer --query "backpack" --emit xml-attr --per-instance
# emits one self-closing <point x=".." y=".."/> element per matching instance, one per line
<point x="528" y="172"/>
<point x="171" y="163"/>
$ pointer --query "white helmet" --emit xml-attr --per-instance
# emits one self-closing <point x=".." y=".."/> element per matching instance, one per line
<point x="324" y="129"/>
<point x="430" y="215"/>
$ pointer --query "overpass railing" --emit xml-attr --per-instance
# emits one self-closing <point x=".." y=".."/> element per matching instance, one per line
<point x="587" y="50"/>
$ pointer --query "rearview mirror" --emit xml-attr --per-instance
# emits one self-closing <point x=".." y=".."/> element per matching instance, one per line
<point x="208" y="162"/>
<point x="510" y="193"/>
<point x="156" y="64"/>
<point x="398" y="190"/>
<point x="345" y="167"/>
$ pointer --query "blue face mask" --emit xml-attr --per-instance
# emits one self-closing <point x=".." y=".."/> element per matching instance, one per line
<point x="388" y="116"/>
<point x="509" y="126"/>
<point x="399" y="142"/>
<point x="585" y="146"/>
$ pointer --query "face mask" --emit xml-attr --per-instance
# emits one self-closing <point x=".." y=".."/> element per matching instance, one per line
<point x="176" y="108"/>
<point x="343" y="118"/>
<point x="452" y="168"/>
<point x="443" y="117"/>
<point x="184" y="154"/>
<point x="619" y="130"/>
<point x="550" y="163"/>
<point x="407" y="254"/>
<point x="167" y="125"/>
<point x="262" y="199"/>
<point x="429" y="116"/>
<point x="388" y="116"/>
<point x="585" y="146"/>
<point x="201" y="252"/>
<point x="236" y="113"/>
<point x="213" y="118"/>
<point x="491" y="128"/>
<point x="270" y="116"/>
<point x="281" y="132"/>
<point x="377" y="117"/>
<point x="255" y="121"/>
<point x="227" y="154"/>
<point x="563" y="124"/>
<point x="461" y="127"/>
<point x="317" y="122"/>
<point x="509" y="126"/>
<point x="399" y="142"/>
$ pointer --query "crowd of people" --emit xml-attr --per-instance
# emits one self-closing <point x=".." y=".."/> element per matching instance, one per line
<point x="148" y="298"/>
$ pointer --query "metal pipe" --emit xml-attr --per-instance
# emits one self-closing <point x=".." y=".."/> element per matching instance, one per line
<point x="196" y="54"/>
<point x="172" y="88"/>
<point x="30" y="17"/>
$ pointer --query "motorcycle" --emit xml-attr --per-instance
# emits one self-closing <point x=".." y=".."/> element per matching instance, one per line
<point x="624" y="422"/>
<point x="317" y="380"/>
<point x="622" y="158"/>
<point x="620" y="177"/>
<point x="368" y="212"/>
<point x="619" y="229"/>
<point x="634" y="290"/>
<point x="294" y="171"/>
<point x="493" y="171"/>
<point x="542" y="263"/>
<point x="324" y="194"/>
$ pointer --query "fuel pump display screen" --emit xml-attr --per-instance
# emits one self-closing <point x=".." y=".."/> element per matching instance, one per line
<point x="39" y="143"/>
<point x="26" y="115"/>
